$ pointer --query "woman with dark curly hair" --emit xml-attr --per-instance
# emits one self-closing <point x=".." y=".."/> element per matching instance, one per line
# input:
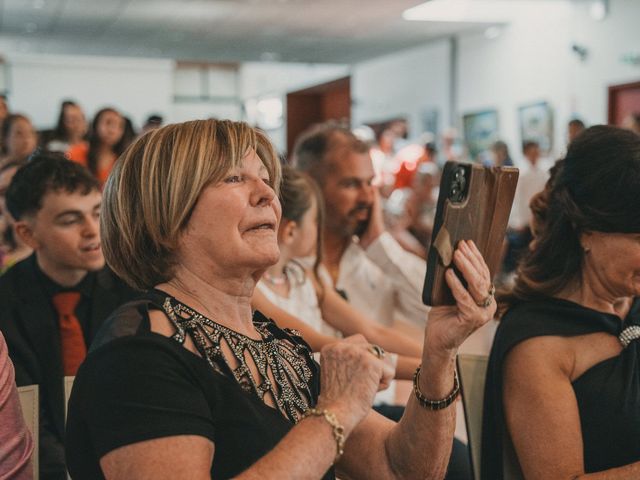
<point x="563" y="385"/>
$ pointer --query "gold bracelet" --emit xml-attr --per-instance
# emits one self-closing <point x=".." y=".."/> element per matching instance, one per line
<point x="338" y="430"/>
<point x="435" y="404"/>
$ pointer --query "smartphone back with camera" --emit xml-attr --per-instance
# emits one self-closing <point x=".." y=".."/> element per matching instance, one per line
<point x="474" y="203"/>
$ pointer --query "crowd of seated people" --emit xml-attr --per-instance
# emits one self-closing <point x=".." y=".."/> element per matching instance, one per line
<point x="192" y="222"/>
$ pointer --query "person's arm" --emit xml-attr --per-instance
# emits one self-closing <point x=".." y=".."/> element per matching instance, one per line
<point x="305" y="453"/>
<point x="16" y="444"/>
<point x="337" y="312"/>
<point x="284" y="319"/>
<point x="420" y="444"/>
<point x="404" y="269"/>
<point x="190" y="458"/>
<point x="350" y="377"/>
<point x="51" y="449"/>
<point x="542" y="414"/>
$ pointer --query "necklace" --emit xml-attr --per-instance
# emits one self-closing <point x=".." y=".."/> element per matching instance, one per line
<point x="276" y="280"/>
<point x="277" y="368"/>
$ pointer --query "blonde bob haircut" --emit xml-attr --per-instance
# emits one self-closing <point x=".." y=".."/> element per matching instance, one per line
<point x="156" y="184"/>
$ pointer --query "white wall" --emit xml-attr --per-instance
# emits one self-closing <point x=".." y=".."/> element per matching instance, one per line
<point x="137" y="87"/>
<point x="527" y="63"/>
<point x="37" y="85"/>
<point x="532" y="61"/>
<point x="404" y="84"/>
<point x="206" y="92"/>
<point x="270" y="79"/>
<point x="607" y="42"/>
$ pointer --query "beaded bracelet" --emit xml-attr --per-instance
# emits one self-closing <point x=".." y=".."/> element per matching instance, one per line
<point x="338" y="430"/>
<point x="435" y="404"/>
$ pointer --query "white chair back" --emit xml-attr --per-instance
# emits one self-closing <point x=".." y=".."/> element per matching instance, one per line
<point x="30" y="403"/>
<point x="472" y="370"/>
<point x="473" y="374"/>
<point x="68" y="385"/>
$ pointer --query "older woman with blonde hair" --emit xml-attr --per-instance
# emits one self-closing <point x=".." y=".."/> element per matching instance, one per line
<point x="188" y="382"/>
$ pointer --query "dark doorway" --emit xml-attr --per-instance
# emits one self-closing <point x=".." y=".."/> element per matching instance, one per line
<point x="624" y="100"/>
<point x="327" y="101"/>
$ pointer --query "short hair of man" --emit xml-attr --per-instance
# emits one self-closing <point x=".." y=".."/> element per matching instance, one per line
<point x="527" y="144"/>
<point x="155" y="186"/>
<point x="576" y="122"/>
<point x="46" y="173"/>
<point x="319" y="145"/>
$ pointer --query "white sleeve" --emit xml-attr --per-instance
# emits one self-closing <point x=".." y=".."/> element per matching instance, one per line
<point x="406" y="271"/>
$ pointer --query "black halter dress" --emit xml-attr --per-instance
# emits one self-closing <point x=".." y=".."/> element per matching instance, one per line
<point x="608" y="394"/>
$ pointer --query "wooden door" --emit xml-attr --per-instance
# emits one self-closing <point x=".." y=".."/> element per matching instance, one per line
<point x="623" y="101"/>
<point x="317" y="104"/>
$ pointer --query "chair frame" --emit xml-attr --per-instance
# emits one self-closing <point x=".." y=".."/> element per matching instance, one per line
<point x="30" y="405"/>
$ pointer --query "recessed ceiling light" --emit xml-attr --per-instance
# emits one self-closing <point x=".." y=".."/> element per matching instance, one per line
<point x="463" y="11"/>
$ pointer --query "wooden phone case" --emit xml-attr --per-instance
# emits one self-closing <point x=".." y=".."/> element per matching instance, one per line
<point x="482" y="216"/>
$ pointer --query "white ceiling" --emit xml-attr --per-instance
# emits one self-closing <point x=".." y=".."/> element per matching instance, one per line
<point x="340" y="31"/>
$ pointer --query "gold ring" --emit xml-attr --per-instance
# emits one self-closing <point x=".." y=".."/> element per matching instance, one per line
<point x="376" y="350"/>
<point x="488" y="299"/>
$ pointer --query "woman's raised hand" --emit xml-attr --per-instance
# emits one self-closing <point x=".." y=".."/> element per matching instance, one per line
<point x="351" y="375"/>
<point x="449" y="326"/>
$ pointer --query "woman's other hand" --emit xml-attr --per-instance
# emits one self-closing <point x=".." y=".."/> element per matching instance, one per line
<point x="449" y="326"/>
<point x="351" y="376"/>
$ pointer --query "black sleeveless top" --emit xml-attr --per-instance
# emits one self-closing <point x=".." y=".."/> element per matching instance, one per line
<point x="137" y="385"/>
<point x="608" y="394"/>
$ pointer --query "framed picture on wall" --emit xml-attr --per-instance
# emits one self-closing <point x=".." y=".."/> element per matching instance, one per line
<point x="536" y="124"/>
<point x="429" y="117"/>
<point x="480" y="131"/>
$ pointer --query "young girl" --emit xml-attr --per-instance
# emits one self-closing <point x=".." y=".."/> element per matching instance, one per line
<point x="70" y="131"/>
<point x="301" y="292"/>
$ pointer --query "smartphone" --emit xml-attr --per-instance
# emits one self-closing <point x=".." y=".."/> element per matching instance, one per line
<point x="474" y="203"/>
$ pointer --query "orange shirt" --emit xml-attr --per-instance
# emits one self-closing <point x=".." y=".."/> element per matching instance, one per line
<point x="78" y="153"/>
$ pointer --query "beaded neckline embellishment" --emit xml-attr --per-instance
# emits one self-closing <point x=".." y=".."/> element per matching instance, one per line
<point x="629" y="334"/>
<point x="274" y="369"/>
